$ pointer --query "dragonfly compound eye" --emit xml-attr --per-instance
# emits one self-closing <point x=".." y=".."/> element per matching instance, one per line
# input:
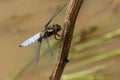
<point x="58" y="27"/>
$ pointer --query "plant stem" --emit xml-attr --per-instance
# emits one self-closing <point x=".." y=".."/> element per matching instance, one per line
<point x="73" y="9"/>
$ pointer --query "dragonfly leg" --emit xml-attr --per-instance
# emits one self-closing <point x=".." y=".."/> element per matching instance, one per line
<point x="56" y="36"/>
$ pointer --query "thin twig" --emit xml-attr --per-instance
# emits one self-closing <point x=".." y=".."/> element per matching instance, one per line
<point x="73" y="9"/>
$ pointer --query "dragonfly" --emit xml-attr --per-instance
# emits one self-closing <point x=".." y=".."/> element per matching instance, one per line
<point x="45" y="33"/>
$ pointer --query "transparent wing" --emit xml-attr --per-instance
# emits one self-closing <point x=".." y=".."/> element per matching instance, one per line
<point x="30" y="40"/>
<point x="54" y="15"/>
<point x="50" y="52"/>
<point x="37" y="52"/>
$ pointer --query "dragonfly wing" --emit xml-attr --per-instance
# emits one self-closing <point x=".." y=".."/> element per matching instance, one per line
<point x="54" y="15"/>
<point x="49" y="48"/>
<point x="30" y="40"/>
<point x="37" y="52"/>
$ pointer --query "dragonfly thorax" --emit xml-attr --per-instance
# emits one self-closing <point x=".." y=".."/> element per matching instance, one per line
<point x="52" y="31"/>
<point x="56" y="27"/>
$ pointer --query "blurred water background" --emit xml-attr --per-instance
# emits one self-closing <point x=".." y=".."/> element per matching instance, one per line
<point x="20" y="19"/>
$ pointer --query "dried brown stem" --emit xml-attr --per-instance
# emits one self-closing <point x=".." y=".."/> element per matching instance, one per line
<point x="71" y="15"/>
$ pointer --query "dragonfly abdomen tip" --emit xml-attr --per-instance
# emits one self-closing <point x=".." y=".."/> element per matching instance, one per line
<point x="20" y="46"/>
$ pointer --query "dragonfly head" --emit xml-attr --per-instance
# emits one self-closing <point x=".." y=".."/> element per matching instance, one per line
<point x="57" y="27"/>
